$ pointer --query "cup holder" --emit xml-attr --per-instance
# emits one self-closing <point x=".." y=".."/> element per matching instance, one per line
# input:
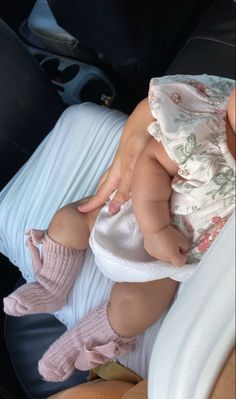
<point x="97" y="91"/>
<point x="75" y="81"/>
<point x="51" y="67"/>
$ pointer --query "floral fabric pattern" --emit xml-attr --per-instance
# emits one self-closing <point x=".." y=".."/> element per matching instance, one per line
<point x="190" y="121"/>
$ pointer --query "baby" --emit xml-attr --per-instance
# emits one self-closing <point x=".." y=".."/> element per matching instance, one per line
<point x="183" y="192"/>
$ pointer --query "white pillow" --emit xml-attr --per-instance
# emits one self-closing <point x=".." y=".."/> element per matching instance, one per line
<point x="64" y="168"/>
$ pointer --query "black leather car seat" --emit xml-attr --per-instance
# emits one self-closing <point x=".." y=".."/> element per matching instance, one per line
<point x="26" y="93"/>
<point x="212" y="46"/>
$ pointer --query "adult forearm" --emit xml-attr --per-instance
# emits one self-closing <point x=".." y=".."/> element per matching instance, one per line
<point x="120" y="174"/>
<point x="135" y="135"/>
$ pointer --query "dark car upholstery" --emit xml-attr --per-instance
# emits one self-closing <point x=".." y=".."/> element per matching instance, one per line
<point x="29" y="106"/>
<point x="210" y="49"/>
<point x="133" y="40"/>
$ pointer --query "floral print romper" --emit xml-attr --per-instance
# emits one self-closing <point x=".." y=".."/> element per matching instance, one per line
<point x="191" y="124"/>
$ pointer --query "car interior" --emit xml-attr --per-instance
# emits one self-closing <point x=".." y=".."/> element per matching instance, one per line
<point x="57" y="53"/>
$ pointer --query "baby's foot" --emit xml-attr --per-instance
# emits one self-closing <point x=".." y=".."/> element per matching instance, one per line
<point x="58" y="363"/>
<point x="89" y="343"/>
<point x="32" y="298"/>
<point x="55" y="273"/>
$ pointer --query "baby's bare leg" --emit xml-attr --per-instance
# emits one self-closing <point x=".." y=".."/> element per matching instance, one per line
<point x="110" y="330"/>
<point x="134" y="307"/>
<point x="72" y="228"/>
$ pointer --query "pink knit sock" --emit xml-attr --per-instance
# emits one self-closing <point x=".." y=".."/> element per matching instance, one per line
<point x="55" y="273"/>
<point x="89" y="343"/>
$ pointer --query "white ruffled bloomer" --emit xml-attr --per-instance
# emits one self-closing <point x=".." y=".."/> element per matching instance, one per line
<point x="117" y="244"/>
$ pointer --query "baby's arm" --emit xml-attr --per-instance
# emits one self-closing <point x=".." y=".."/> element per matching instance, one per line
<point x="151" y="191"/>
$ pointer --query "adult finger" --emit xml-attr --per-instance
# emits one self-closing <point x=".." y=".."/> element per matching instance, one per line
<point x="122" y="194"/>
<point x="101" y="196"/>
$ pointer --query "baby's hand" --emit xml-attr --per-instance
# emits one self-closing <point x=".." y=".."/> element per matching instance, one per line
<point x="168" y="245"/>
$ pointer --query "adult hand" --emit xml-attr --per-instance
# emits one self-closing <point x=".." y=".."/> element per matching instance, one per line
<point x="119" y="176"/>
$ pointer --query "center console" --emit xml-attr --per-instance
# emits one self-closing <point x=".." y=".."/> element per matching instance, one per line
<point x="75" y="81"/>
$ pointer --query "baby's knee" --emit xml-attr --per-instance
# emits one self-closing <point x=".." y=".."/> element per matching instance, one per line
<point x="126" y="310"/>
<point x="61" y="218"/>
<point x="69" y="227"/>
<point x="125" y="297"/>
